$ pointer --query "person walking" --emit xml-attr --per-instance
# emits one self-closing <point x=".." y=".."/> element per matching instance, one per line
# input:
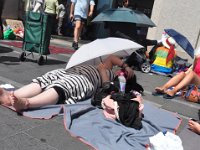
<point x="79" y="11"/>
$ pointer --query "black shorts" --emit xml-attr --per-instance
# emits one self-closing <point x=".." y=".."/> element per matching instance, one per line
<point x="79" y="18"/>
<point x="61" y="94"/>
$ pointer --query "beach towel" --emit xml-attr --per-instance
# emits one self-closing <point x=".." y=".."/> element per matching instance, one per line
<point x="88" y="124"/>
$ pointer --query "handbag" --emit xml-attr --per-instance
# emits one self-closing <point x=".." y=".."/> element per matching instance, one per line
<point x="192" y="93"/>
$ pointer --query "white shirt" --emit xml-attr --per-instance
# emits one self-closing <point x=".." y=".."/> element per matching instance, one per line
<point x="61" y="11"/>
<point x="82" y="7"/>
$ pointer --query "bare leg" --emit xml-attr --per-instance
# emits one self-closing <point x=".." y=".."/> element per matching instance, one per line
<point x="190" y="78"/>
<point x="172" y="82"/>
<point x="28" y="91"/>
<point x="194" y="126"/>
<point x="48" y="97"/>
<point x="77" y="30"/>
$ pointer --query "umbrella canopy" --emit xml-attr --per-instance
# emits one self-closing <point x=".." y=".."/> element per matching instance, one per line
<point x="181" y="40"/>
<point x="102" y="47"/>
<point x="124" y="15"/>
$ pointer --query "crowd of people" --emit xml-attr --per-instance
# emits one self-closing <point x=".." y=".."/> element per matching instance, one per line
<point x="59" y="86"/>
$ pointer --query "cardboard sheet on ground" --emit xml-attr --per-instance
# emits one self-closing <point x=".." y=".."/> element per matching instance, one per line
<point x="89" y="125"/>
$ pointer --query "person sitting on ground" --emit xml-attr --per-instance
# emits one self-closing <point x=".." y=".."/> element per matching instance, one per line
<point x="63" y="85"/>
<point x="181" y="80"/>
<point x="194" y="126"/>
<point x="164" y="56"/>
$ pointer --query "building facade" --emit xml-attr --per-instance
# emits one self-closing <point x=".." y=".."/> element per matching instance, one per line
<point x="181" y="15"/>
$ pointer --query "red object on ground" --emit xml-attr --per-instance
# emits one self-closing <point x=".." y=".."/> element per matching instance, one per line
<point x="52" y="49"/>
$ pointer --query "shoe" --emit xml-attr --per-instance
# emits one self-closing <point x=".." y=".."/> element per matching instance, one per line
<point x="60" y="34"/>
<point x="157" y="93"/>
<point x="75" y="45"/>
<point x="167" y="96"/>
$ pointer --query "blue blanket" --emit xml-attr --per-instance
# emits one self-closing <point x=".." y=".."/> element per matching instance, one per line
<point x="89" y="124"/>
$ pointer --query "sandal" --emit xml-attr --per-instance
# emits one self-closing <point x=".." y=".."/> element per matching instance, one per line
<point x="157" y="93"/>
<point x="167" y="96"/>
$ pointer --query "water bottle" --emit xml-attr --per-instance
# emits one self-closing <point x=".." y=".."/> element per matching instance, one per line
<point x="122" y="82"/>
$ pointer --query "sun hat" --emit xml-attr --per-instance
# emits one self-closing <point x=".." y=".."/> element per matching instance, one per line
<point x="167" y="41"/>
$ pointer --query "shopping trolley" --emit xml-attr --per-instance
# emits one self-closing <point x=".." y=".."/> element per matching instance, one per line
<point x="37" y="35"/>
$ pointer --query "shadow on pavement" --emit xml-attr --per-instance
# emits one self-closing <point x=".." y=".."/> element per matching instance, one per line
<point x="48" y="62"/>
<point x="54" y="62"/>
<point x="5" y="49"/>
<point x="9" y="60"/>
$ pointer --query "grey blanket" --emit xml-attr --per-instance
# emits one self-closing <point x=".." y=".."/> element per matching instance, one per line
<point x="89" y="124"/>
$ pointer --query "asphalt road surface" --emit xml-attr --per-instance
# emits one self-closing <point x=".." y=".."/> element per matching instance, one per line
<point x="21" y="133"/>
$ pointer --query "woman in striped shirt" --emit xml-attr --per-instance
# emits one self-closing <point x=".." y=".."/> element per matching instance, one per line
<point x="63" y="85"/>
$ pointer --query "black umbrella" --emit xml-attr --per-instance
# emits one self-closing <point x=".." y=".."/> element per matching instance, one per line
<point x="124" y="15"/>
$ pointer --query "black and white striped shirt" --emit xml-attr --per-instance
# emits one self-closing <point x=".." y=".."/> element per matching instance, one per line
<point x="78" y="83"/>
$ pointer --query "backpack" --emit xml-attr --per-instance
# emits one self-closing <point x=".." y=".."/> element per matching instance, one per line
<point x="192" y="93"/>
<point x="113" y="87"/>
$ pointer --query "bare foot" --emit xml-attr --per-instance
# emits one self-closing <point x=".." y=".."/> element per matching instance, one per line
<point x="170" y="92"/>
<point x="194" y="126"/>
<point x="19" y="103"/>
<point x="5" y="97"/>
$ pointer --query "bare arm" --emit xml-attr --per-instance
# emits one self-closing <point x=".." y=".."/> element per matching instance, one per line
<point x="72" y="11"/>
<point x="111" y="61"/>
<point x="91" y="10"/>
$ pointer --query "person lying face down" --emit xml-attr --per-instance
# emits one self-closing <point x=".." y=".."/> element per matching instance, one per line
<point x="63" y="86"/>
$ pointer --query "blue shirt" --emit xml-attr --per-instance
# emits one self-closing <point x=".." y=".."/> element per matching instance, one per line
<point x="82" y="7"/>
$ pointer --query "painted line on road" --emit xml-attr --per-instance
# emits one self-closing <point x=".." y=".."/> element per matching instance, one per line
<point x="178" y="101"/>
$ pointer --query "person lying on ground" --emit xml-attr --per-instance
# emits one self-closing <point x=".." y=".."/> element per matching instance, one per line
<point x="63" y="85"/>
<point x="194" y="126"/>
<point x="181" y="80"/>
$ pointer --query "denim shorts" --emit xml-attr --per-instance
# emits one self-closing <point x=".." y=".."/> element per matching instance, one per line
<point x="79" y="18"/>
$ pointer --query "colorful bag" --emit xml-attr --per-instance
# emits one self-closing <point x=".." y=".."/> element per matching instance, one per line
<point x="192" y="93"/>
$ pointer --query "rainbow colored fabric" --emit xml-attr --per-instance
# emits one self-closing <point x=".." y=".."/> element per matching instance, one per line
<point x="159" y="64"/>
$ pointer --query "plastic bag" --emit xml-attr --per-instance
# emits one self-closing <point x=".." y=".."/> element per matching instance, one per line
<point x="9" y="34"/>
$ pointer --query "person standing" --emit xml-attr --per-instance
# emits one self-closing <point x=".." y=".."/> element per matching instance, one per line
<point x="79" y="11"/>
<point x="51" y="8"/>
<point x="61" y="15"/>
